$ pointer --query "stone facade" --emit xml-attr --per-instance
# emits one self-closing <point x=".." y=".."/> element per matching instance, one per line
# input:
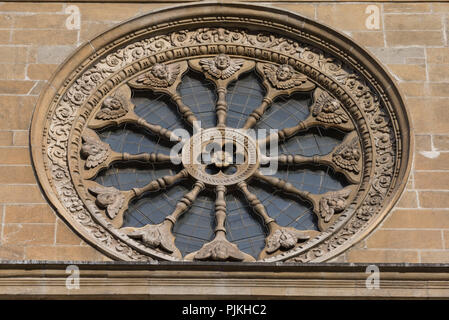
<point x="409" y="38"/>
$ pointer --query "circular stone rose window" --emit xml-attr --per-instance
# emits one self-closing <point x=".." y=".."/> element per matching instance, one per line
<point x="221" y="132"/>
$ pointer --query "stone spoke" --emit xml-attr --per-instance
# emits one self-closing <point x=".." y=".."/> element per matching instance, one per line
<point x="158" y="130"/>
<point x="220" y="210"/>
<point x="118" y="109"/>
<point x="323" y="205"/>
<point x="185" y="111"/>
<point x="278" y="238"/>
<point x="165" y="78"/>
<point x="221" y="107"/>
<point x="257" y="113"/>
<point x="219" y="249"/>
<point x="132" y="118"/>
<point x="255" y="203"/>
<point x="287" y="187"/>
<point x="344" y="158"/>
<point x="161" y="236"/>
<point x="144" y="158"/>
<point x="186" y="202"/>
<point x="116" y="202"/>
<point x="285" y="133"/>
<point x="160" y="183"/>
<point x="325" y="111"/>
<point x="98" y="156"/>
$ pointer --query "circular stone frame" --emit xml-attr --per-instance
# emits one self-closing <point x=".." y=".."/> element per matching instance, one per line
<point x="328" y="58"/>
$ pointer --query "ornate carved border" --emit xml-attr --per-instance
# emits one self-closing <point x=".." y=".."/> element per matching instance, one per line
<point x="328" y="58"/>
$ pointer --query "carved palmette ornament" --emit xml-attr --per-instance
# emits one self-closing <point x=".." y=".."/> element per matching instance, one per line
<point x="327" y="109"/>
<point x="284" y="76"/>
<point x="154" y="236"/>
<point x="221" y="66"/>
<point x="160" y="75"/>
<point x="285" y="238"/>
<point x="347" y="156"/>
<point x="220" y="250"/>
<point x="332" y="203"/>
<point x="108" y="198"/>
<point x="94" y="150"/>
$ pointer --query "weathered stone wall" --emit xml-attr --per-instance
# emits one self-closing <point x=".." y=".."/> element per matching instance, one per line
<point x="411" y="39"/>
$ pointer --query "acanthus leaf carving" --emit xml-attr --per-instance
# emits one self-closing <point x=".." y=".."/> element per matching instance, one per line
<point x="285" y="238"/>
<point x="219" y="250"/>
<point x="108" y="198"/>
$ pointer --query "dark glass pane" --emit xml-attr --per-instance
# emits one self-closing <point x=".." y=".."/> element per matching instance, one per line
<point x="128" y="176"/>
<point x="243" y="227"/>
<point x="196" y="227"/>
<point x="244" y="95"/>
<point x="157" y="109"/>
<point x="133" y="140"/>
<point x="199" y="95"/>
<point x="285" y="112"/>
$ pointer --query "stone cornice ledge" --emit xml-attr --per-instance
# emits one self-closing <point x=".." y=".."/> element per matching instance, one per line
<point x="185" y="1"/>
<point x="115" y="280"/>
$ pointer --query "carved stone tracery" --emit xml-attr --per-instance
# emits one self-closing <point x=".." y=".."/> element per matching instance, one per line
<point x="344" y="98"/>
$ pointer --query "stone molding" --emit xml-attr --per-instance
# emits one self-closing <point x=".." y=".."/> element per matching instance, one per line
<point x="166" y="280"/>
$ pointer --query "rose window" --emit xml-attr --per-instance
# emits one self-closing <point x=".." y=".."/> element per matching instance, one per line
<point x="221" y="143"/>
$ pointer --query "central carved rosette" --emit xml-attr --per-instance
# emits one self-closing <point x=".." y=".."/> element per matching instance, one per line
<point x="221" y="156"/>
